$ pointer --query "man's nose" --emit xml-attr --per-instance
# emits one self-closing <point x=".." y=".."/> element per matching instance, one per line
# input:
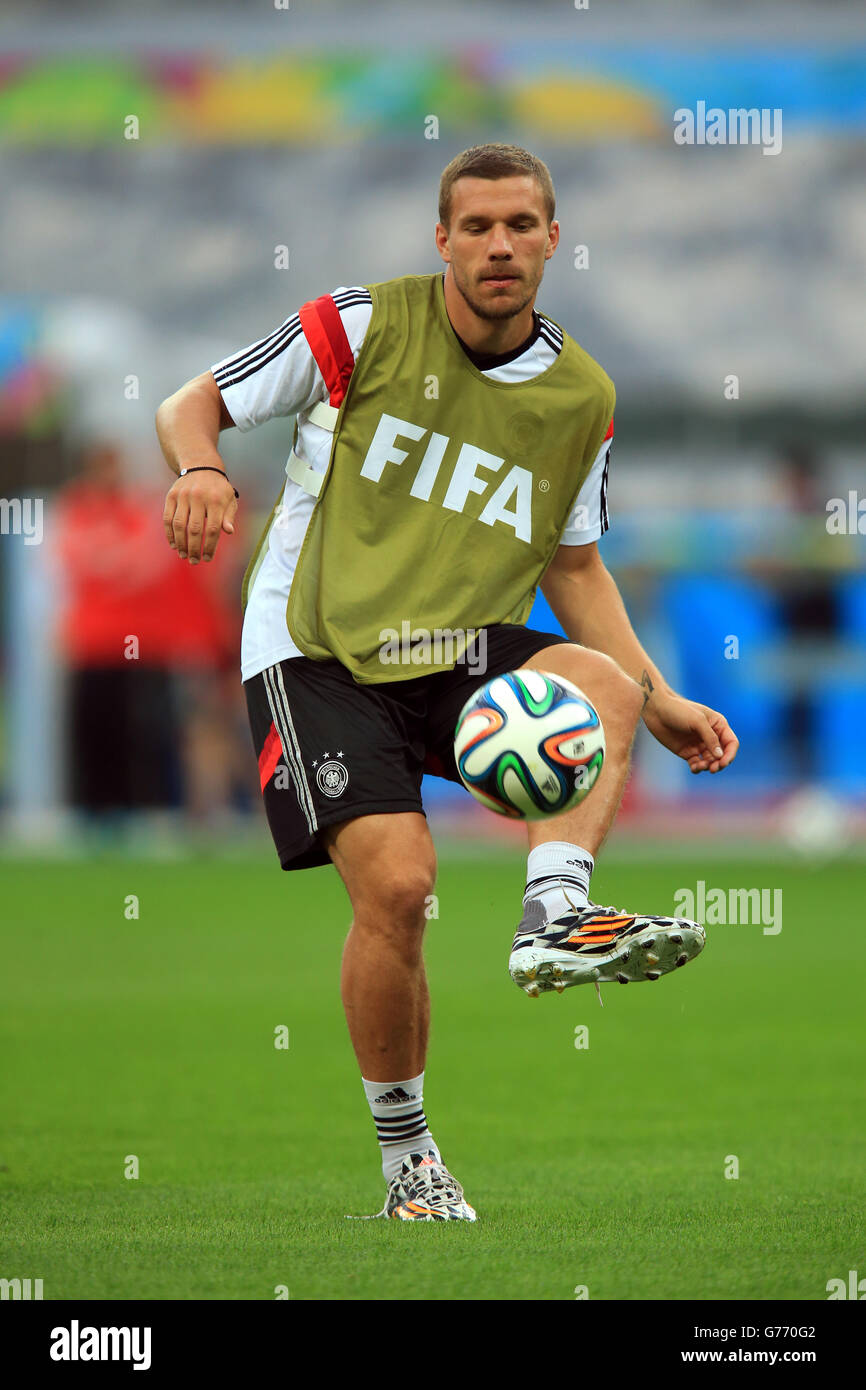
<point x="500" y="243"/>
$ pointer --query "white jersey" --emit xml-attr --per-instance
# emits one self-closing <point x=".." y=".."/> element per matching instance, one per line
<point x="279" y="376"/>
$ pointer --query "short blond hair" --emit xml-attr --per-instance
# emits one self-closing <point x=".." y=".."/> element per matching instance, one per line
<point x="496" y="161"/>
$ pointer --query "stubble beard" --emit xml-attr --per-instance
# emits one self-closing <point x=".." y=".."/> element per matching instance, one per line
<point x="496" y="310"/>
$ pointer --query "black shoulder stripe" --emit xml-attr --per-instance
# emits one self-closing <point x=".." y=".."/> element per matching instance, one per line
<point x="605" y="520"/>
<point x="358" y="294"/>
<point x="253" y="358"/>
<point x="241" y="359"/>
<point x="551" y="342"/>
<point x="551" y="327"/>
<point x="258" y="356"/>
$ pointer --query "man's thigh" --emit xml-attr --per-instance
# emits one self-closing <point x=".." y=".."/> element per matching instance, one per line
<point x="383" y="858"/>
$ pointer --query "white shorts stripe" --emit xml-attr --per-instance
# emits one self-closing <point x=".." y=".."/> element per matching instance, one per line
<point x="282" y="721"/>
<point x="297" y="747"/>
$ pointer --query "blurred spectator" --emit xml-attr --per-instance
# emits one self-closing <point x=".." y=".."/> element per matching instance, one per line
<point x="803" y="478"/>
<point x="151" y="647"/>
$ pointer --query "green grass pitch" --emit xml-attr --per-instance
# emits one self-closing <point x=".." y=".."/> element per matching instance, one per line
<point x="601" y="1167"/>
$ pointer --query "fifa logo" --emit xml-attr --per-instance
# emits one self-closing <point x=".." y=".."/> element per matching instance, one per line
<point x="510" y="502"/>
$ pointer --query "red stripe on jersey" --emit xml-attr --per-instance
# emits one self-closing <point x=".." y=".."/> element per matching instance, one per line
<point x="324" y="331"/>
<point x="270" y="756"/>
<point x="609" y="434"/>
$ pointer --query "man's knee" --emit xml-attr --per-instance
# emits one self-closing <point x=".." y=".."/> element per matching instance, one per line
<point x="393" y="913"/>
<point x="618" y="698"/>
<point x="403" y="897"/>
<point x="391" y="881"/>
<point x="625" y="698"/>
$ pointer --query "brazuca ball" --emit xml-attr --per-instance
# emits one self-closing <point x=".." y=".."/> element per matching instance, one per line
<point x="529" y="744"/>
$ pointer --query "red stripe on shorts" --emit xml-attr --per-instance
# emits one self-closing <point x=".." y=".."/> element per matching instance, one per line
<point x="270" y="756"/>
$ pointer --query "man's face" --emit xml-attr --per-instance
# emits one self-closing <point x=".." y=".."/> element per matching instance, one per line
<point x="497" y="243"/>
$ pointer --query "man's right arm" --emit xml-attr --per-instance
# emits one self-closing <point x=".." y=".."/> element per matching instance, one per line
<point x="202" y="505"/>
<point x="276" y="376"/>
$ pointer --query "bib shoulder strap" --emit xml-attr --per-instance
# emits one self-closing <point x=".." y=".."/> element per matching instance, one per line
<point x="323" y="415"/>
<point x="305" y="476"/>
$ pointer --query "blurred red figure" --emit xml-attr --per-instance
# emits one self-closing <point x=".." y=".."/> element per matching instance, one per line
<point x="151" y="648"/>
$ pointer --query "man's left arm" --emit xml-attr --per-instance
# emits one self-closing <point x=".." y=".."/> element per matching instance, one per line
<point x="584" y="596"/>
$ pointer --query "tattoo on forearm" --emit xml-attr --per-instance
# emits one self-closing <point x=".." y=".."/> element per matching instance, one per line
<point x="647" y="687"/>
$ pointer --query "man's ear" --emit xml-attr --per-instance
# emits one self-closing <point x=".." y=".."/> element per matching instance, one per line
<point x="440" y="236"/>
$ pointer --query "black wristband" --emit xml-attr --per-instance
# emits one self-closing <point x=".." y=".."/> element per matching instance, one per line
<point x="208" y="468"/>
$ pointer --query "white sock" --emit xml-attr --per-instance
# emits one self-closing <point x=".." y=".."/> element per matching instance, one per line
<point x="397" y="1108"/>
<point x="557" y="876"/>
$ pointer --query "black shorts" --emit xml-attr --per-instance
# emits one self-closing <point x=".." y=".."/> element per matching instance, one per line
<point x="330" y="749"/>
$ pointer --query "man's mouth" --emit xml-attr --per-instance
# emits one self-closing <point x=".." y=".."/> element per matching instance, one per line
<point x="500" y="279"/>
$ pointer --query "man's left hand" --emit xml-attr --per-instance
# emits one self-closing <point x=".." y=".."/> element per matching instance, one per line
<point x="694" y="732"/>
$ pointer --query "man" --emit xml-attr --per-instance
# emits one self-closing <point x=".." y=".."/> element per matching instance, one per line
<point x="451" y="452"/>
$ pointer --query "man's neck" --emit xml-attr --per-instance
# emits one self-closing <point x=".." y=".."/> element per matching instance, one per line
<point x="491" y="337"/>
<point x="486" y="361"/>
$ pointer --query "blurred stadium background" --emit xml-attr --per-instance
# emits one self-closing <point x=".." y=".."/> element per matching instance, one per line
<point x="129" y="265"/>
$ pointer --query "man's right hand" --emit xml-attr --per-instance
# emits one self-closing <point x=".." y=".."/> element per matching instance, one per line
<point x="197" y="509"/>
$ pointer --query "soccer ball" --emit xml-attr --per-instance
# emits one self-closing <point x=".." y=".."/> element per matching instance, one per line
<point x="529" y="745"/>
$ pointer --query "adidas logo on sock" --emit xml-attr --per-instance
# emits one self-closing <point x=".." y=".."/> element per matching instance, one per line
<point x="395" y="1097"/>
<point x="581" y="863"/>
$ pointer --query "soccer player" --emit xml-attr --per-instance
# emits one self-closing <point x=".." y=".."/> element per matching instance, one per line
<point x="451" y="454"/>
